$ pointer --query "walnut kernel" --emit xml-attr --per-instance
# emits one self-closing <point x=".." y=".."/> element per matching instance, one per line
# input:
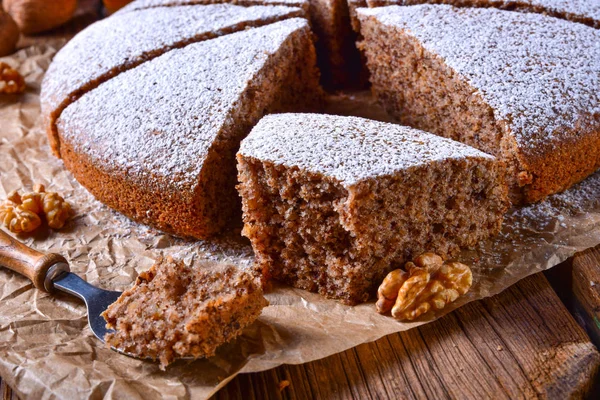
<point x="18" y="220"/>
<point x="427" y="284"/>
<point x="22" y="213"/>
<point x="11" y="81"/>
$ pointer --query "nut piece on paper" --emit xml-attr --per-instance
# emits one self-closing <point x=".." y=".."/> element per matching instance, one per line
<point x="11" y="81"/>
<point x="18" y="220"/>
<point x="426" y="284"/>
<point x="21" y="214"/>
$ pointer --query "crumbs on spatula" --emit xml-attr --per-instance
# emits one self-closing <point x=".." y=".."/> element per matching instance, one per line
<point x="174" y="310"/>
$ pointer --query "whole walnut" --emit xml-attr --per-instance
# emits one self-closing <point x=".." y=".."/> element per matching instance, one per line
<point x="34" y="16"/>
<point x="9" y="34"/>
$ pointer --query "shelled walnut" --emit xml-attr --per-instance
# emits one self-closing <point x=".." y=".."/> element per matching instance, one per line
<point x="18" y="220"/>
<point x="426" y="284"/>
<point x="22" y="213"/>
<point x="11" y="81"/>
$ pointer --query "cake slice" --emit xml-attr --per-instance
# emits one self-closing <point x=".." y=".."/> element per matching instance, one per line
<point x="144" y="4"/>
<point x="332" y="204"/>
<point x="520" y="86"/>
<point x="583" y="11"/>
<point x="176" y="311"/>
<point x="158" y="142"/>
<point x="121" y="42"/>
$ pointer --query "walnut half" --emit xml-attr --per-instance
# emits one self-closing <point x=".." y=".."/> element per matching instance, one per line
<point x="427" y="284"/>
<point x="22" y="213"/>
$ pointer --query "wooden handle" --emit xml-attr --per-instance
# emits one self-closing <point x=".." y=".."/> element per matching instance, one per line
<point x="26" y="261"/>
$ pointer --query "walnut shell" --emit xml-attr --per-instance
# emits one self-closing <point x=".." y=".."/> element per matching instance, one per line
<point x="9" y="34"/>
<point x="34" y="16"/>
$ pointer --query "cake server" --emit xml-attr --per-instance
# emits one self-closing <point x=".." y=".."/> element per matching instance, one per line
<point x="51" y="272"/>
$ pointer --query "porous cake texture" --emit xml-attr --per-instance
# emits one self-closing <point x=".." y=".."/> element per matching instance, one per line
<point x="520" y="86"/>
<point x="176" y="311"/>
<point x="144" y="4"/>
<point x="583" y="11"/>
<point x="332" y="204"/>
<point x="121" y="42"/>
<point x="158" y="142"/>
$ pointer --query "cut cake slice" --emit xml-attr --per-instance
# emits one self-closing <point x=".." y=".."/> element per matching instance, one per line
<point x="521" y="86"/>
<point x="121" y="42"/>
<point x="144" y="4"/>
<point x="332" y="204"/>
<point x="175" y="310"/>
<point x="158" y="142"/>
<point x="583" y="11"/>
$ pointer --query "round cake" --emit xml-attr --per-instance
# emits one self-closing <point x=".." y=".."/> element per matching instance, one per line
<point x="147" y="108"/>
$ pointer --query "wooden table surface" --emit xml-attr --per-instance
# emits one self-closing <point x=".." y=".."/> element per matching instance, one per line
<point x="535" y="340"/>
<point x="528" y="342"/>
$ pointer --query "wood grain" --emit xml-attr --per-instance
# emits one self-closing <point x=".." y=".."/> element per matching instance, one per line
<point x="577" y="282"/>
<point x="522" y="343"/>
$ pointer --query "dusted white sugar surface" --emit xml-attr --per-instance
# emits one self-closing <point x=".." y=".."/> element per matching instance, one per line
<point x="125" y="40"/>
<point x="349" y="149"/>
<point x="572" y="8"/>
<point x="157" y="122"/>
<point x="540" y="74"/>
<point x="143" y="4"/>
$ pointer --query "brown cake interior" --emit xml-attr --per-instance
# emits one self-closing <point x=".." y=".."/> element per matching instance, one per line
<point x="339" y="59"/>
<point x="311" y="232"/>
<point x="419" y="89"/>
<point x="174" y="311"/>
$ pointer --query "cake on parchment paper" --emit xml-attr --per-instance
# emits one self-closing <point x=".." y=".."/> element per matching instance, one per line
<point x="123" y="41"/>
<point x="520" y="86"/>
<point x="331" y="204"/>
<point x="158" y="142"/>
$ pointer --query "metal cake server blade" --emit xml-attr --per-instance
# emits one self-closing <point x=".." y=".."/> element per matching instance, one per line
<point x="51" y="272"/>
<point x="96" y="300"/>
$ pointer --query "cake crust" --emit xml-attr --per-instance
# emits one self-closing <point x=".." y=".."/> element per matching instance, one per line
<point x="179" y="175"/>
<point x="465" y="76"/>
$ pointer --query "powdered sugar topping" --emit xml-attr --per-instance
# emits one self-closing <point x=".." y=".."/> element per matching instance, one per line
<point x="125" y="40"/>
<point x="144" y="4"/>
<point x="349" y="149"/>
<point x="156" y="122"/>
<point x="540" y="74"/>
<point x="587" y="11"/>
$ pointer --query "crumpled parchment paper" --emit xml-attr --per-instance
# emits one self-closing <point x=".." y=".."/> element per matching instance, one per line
<point x="48" y="351"/>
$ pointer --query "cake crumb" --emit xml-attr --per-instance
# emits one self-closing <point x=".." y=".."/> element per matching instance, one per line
<point x="175" y="311"/>
<point x="283" y="384"/>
